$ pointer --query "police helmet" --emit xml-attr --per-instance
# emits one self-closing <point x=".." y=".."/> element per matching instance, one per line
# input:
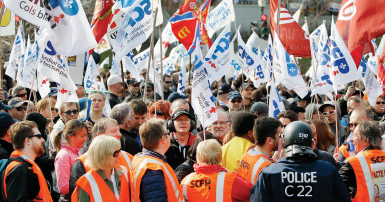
<point x="298" y="137"/>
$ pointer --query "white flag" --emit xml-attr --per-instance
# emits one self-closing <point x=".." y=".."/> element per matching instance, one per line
<point x="218" y="57"/>
<point x="134" y="32"/>
<point x="344" y="69"/>
<point x="275" y="102"/>
<point x="15" y="53"/>
<point x="372" y="63"/>
<point x="20" y="68"/>
<point x="372" y="87"/>
<point x="297" y="14"/>
<point x="130" y="65"/>
<point x="141" y="60"/>
<point x="105" y="62"/>
<point x="103" y="45"/>
<point x="222" y="15"/>
<point x="71" y="30"/>
<point x="107" y="106"/>
<point x="202" y="99"/>
<point x="182" y="78"/>
<point x="43" y="85"/>
<point x="90" y="82"/>
<point x="169" y="64"/>
<point x="29" y="67"/>
<point x="316" y="34"/>
<point x="115" y="68"/>
<point x="167" y="38"/>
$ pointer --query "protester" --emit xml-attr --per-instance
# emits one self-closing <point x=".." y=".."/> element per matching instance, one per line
<point x="75" y="133"/>
<point x="208" y="169"/>
<point x="154" y="177"/>
<point x="19" y="108"/>
<point x="247" y="91"/>
<point x="19" y="91"/>
<point x="266" y="133"/>
<point x="352" y="103"/>
<point x="150" y="89"/>
<point x="105" y="177"/>
<point x="124" y="115"/>
<point x="234" y="101"/>
<point x="276" y="182"/>
<point x="356" y="171"/>
<point x="242" y="127"/>
<point x="311" y="112"/>
<point x="47" y="108"/>
<point x="260" y="109"/>
<point x="298" y="110"/>
<point x="162" y="109"/>
<point x="115" y="86"/>
<point x="23" y="179"/>
<point x="53" y="93"/>
<point x="174" y="81"/>
<point x="325" y="138"/>
<point x="378" y="109"/>
<point x="134" y="90"/>
<point x="329" y="111"/>
<point x="140" y="113"/>
<point x="167" y="86"/>
<point x="80" y="92"/>
<point x="222" y="125"/>
<point x="287" y="117"/>
<point x="98" y="101"/>
<point x="6" y="121"/>
<point x="350" y="92"/>
<point x="305" y="101"/>
<point x="223" y="92"/>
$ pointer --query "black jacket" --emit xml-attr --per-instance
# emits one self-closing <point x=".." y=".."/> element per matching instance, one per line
<point x="128" y="142"/>
<point x="22" y="183"/>
<point x="184" y="169"/>
<point x="173" y="155"/>
<point x="113" y="99"/>
<point x="323" y="155"/>
<point x="6" y="149"/>
<point x="77" y="170"/>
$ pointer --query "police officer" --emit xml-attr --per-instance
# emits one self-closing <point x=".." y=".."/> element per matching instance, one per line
<point x="299" y="176"/>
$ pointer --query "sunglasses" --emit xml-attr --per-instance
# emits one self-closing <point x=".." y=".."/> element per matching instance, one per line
<point x="22" y="95"/>
<point x="351" y="125"/>
<point x="135" y="86"/>
<point x="331" y="112"/>
<point x="116" y="153"/>
<point x="380" y="103"/>
<point x="158" y="113"/>
<point x="167" y="81"/>
<point x="54" y="109"/>
<point x="73" y="111"/>
<point x="238" y="101"/>
<point x="144" y="73"/>
<point x="21" y="109"/>
<point x="149" y="90"/>
<point x="36" y="135"/>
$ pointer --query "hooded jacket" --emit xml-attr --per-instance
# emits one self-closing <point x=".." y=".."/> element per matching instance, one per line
<point x="341" y="129"/>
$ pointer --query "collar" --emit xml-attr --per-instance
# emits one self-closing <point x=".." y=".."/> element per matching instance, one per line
<point x="191" y="139"/>
<point x="155" y="154"/>
<point x="73" y="149"/>
<point x="129" y="133"/>
<point x="115" y="171"/>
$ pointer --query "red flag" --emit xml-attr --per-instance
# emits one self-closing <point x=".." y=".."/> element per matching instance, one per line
<point x="293" y="37"/>
<point x="381" y="74"/>
<point x="101" y="18"/>
<point x="202" y="15"/>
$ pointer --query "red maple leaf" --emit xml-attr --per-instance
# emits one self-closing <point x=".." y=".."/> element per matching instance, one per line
<point x="63" y="91"/>
<point x="212" y="110"/>
<point x="44" y="81"/>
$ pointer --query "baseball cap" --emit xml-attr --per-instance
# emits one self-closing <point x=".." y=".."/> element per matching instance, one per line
<point x="17" y="102"/>
<point x="133" y="81"/>
<point x="179" y="112"/>
<point x="224" y="88"/>
<point x="157" y="96"/>
<point x="113" y="79"/>
<point x="53" y="92"/>
<point x="245" y="85"/>
<point x="4" y="106"/>
<point x="176" y="95"/>
<point x="261" y="108"/>
<point x="234" y="94"/>
<point x="327" y="103"/>
<point x="6" y="120"/>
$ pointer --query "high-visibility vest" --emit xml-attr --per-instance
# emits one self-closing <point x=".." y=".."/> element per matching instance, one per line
<point x="125" y="160"/>
<point x="214" y="187"/>
<point x="141" y="164"/>
<point x="99" y="191"/>
<point x="344" y="150"/>
<point x="44" y="194"/>
<point x="252" y="163"/>
<point x="361" y="164"/>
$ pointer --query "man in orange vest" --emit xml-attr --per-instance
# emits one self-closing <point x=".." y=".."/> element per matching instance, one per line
<point x="152" y="177"/>
<point x="211" y="181"/>
<point x="23" y="179"/>
<point x="356" y="171"/>
<point x="105" y="126"/>
<point x="266" y="133"/>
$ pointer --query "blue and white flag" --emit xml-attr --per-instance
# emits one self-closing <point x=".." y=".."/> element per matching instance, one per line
<point x="29" y="67"/>
<point x="344" y="69"/>
<point x="201" y="97"/>
<point x="372" y="87"/>
<point x="43" y="85"/>
<point x="16" y="52"/>
<point x="20" y="67"/>
<point x="129" y="65"/>
<point x="169" y="64"/>
<point x="218" y="57"/>
<point x="259" y="75"/>
<point x="107" y="106"/>
<point x="275" y="102"/>
<point x="115" y="68"/>
<point x="285" y="70"/>
<point x="182" y="78"/>
<point x="136" y="27"/>
<point x="248" y="60"/>
<point x="372" y="63"/>
<point x="269" y="60"/>
<point x="141" y="59"/>
<point x="222" y="15"/>
<point x="316" y="34"/>
<point x="90" y="82"/>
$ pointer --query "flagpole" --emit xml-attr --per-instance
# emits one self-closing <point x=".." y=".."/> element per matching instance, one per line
<point x="1" y="49"/>
<point x="243" y="85"/>
<point x="161" y="62"/>
<point x="203" y="118"/>
<point x="124" y="83"/>
<point x="149" y="58"/>
<point x="189" y="72"/>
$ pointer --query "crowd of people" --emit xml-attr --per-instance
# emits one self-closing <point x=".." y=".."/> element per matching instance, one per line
<point x="152" y="147"/>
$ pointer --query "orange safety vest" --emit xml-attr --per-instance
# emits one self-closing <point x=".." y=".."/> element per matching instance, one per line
<point x="125" y="160"/>
<point x="44" y="194"/>
<point x="208" y="187"/>
<point x="141" y="164"/>
<point x="252" y="163"/>
<point x="344" y="150"/>
<point x="362" y="169"/>
<point x="98" y="190"/>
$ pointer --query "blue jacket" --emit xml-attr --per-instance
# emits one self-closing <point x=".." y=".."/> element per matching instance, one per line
<point x="300" y="178"/>
<point x="153" y="187"/>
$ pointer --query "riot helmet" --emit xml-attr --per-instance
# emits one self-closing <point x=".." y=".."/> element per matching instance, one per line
<point x="297" y="139"/>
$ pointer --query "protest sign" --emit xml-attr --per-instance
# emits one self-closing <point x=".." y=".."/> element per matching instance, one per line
<point x="31" y="11"/>
<point x="378" y="182"/>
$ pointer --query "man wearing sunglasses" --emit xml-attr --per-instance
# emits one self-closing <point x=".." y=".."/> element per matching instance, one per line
<point x="19" y="108"/>
<point x="234" y="101"/>
<point x="329" y="111"/>
<point x="150" y="89"/>
<point x="167" y="86"/>
<point x="134" y="90"/>
<point x="19" y="91"/>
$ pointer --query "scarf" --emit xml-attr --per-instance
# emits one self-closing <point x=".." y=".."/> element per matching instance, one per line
<point x="44" y="194"/>
<point x="209" y="169"/>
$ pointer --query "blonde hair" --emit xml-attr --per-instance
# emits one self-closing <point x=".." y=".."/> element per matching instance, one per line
<point x="100" y="149"/>
<point x="97" y="92"/>
<point x="44" y="103"/>
<point x="209" y="152"/>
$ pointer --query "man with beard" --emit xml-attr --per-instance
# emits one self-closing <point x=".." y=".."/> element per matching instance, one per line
<point x="23" y="179"/>
<point x="266" y="133"/>
<point x="221" y="126"/>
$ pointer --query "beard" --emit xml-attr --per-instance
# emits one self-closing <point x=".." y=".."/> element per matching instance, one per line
<point x="38" y="149"/>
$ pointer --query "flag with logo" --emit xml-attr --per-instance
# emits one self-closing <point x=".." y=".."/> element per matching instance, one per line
<point x="15" y="53"/>
<point x="344" y="70"/>
<point x="372" y="63"/>
<point x="20" y="68"/>
<point x="201" y="97"/>
<point x="372" y="87"/>
<point x="222" y="15"/>
<point x="203" y="11"/>
<point x="102" y="16"/>
<point x="92" y="72"/>
<point x="134" y="32"/>
<point x="130" y="65"/>
<point x="316" y="34"/>
<point x="29" y="67"/>
<point x="43" y="85"/>
<point x="115" y="68"/>
<point x="259" y="75"/>
<point x="169" y="64"/>
<point x="218" y="57"/>
<point x="32" y="11"/>
<point x="71" y="32"/>
<point x="275" y="102"/>
<point x="182" y="78"/>
<point x="141" y="59"/>
<point x="185" y="25"/>
<point x="296" y="44"/>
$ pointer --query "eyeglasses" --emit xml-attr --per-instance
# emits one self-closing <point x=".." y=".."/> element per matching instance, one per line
<point x="167" y="81"/>
<point x="73" y="111"/>
<point x="329" y="113"/>
<point x="116" y="153"/>
<point x="21" y="109"/>
<point x="149" y="90"/>
<point x="351" y="125"/>
<point x="135" y="86"/>
<point x="380" y="103"/>
<point x="36" y="135"/>
<point x="222" y="123"/>
<point x="54" y="109"/>
<point x="236" y="101"/>
<point x="22" y="95"/>
<point x="144" y="73"/>
<point x="158" y="113"/>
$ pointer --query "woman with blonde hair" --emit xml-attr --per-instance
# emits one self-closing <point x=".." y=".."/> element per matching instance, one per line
<point x="98" y="101"/>
<point x="325" y="138"/>
<point x="105" y="181"/>
<point x="75" y="133"/>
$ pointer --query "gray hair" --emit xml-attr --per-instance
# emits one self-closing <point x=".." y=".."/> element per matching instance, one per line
<point x="309" y="111"/>
<point x="227" y="114"/>
<point x="177" y="102"/>
<point x="370" y="131"/>
<point x="365" y="110"/>
<point x="16" y="90"/>
<point x="121" y="113"/>
<point x="355" y="99"/>
<point x="101" y="125"/>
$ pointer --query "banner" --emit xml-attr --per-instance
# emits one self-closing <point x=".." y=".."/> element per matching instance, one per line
<point x="31" y="11"/>
<point x="378" y="170"/>
<point x="16" y="52"/>
<point x="7" y="23"/>
<point x="222" y="15"/>
<point x="134" y="32"/>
